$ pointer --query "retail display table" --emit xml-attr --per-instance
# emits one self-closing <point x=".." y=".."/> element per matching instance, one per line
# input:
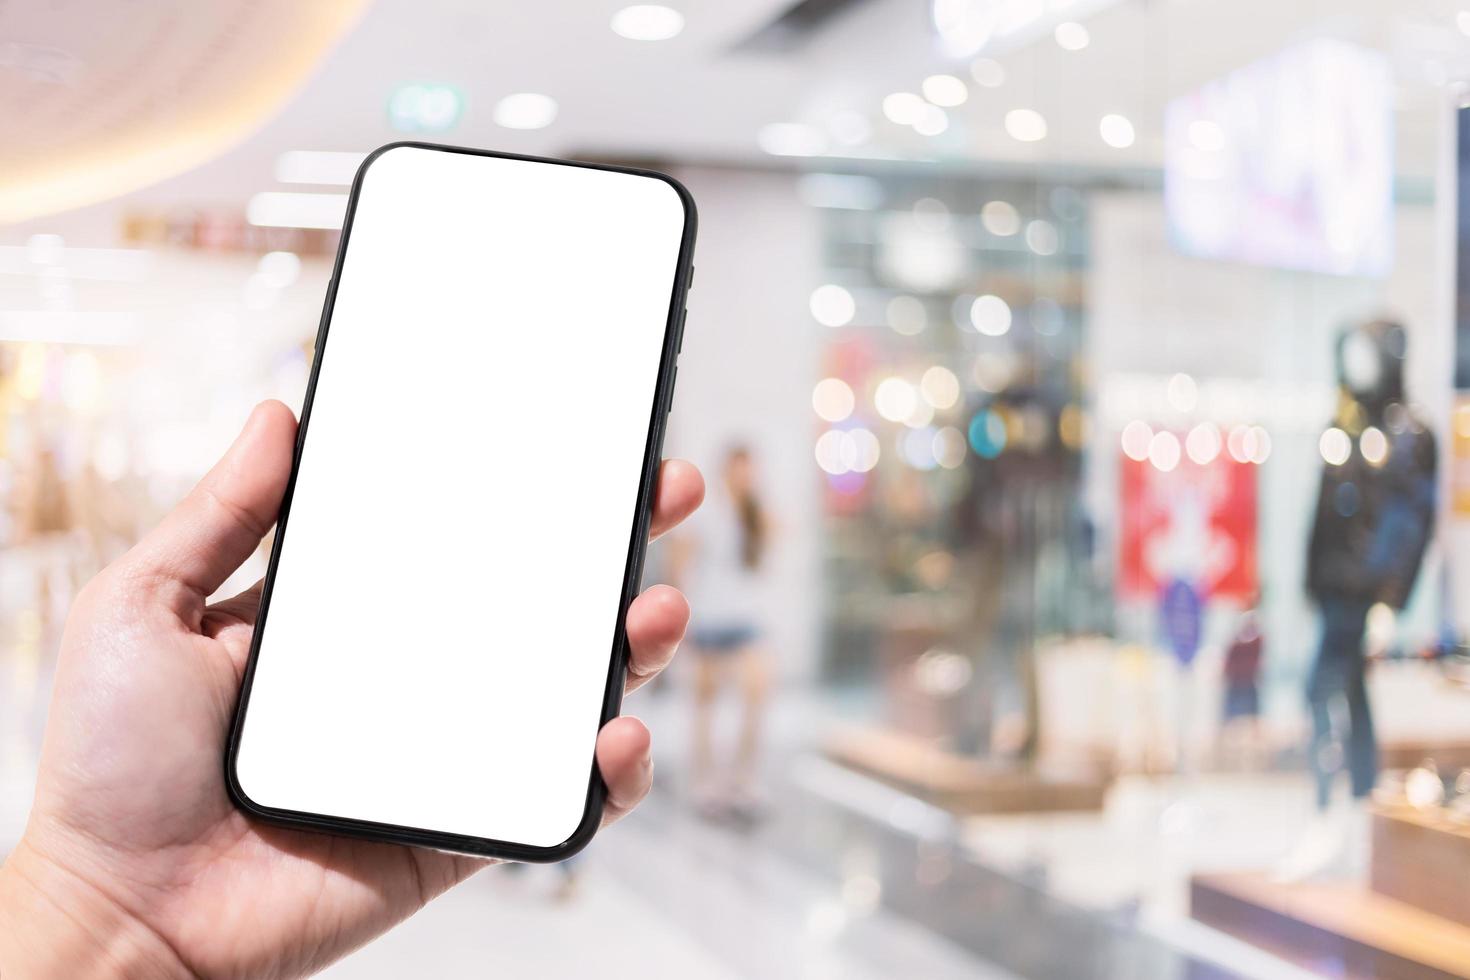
<point x="961" y="783"/>
<point x="1423" y="858"/>
<point x="1341" y="929"/>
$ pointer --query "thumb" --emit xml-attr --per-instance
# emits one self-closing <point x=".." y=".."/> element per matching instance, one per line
<point x="222" y="520"/>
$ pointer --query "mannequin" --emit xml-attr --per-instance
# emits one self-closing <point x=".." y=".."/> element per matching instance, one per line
<point x="1375" y="513"/>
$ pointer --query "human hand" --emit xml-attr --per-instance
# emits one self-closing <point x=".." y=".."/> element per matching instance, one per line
<point x="134" y="862"/>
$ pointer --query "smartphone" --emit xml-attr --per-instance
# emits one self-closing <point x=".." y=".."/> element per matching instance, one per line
<point x="440" y="634"/>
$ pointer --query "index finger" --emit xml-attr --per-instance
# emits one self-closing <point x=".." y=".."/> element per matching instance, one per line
<point x="680" y="491"/>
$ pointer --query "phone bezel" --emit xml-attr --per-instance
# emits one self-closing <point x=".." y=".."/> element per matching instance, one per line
<point x="632" y="575"/>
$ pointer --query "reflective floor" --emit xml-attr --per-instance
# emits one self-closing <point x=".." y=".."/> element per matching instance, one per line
<point x="841" y="877"/>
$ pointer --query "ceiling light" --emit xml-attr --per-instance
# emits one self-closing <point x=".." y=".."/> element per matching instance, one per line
<point x="317" y="167"/>
<point x="787" y="139"/>
<point x="945" y="90"/>
<point x="988" y="73"/>
<point x="525" y="110"/>
<point x="288" y="209"/>
<point x="933" y="122"/>
<point x="1072" y="36"/>
<point x="1026" y="125"/>
<point x="647" y="22"/>
<point x="1116" y="131"/>
<point x="904" y="108"/>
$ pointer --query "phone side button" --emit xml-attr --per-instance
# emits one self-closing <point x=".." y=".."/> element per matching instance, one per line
<point x="679" y="344"/>
<point x="673" y="380"/>
<point x="689" y="283"/>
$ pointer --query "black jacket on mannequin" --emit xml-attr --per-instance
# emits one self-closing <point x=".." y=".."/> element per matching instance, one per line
<point x="1375" y="510"/>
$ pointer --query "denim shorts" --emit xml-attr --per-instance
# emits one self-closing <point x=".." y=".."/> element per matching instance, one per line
<point x="723" y="639"/>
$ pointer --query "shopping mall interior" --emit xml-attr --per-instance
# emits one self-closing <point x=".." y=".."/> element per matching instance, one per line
<point x="1083" y="375"/>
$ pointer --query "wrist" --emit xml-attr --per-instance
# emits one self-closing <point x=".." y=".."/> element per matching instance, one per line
<point x="53" y="923"/>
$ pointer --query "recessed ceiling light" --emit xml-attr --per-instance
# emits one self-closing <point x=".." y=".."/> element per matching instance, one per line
<point x="1072" y="36"/>
<point x="904" y="108"/>
<point x="1026" y="125"/>
<point x="788" y="139"/>
<point x="525" y="110"/>
<point x="1116" y="131"/>
<point x="988" y="73"/>
<point x="647" y="22"/>
<point x="945" y="90"/>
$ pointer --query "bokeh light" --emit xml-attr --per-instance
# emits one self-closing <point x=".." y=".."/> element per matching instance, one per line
<point x="1203" y="444"/>
<point x="990" y="315"/>
<point x="940" y="387"/>
<point x="1000" y="218"/>
<point x="1335" y="446"/>
<point x="945" y="90"/>
<point x="832" y="306"/>
<point x="647" y="22"/>
<point x="525" y="110"/>
<point x="895" y="399"/>
<point x="907" y="315"/>
<point x="832" y="399"/>
<point x="1116" y="131"/>
<point x="1136" y="438"/>
<point x="1164" y="451"/>
<point x="1373" y="444"/>
<point x="949" y="447"/>
<point x="903" y="108"/>
<point x="1072" y="36"/>
<point x="988" y="434"/>
<point x="1026" y="125"/>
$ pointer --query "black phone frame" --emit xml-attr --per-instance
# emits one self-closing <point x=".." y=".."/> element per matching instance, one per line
<point x="632" y="574"/>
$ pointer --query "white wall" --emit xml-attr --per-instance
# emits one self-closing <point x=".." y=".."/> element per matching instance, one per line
<point x="751" y="355"/>
<point x="1154" y="311"/>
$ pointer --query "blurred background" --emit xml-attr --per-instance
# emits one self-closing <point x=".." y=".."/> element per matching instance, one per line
<point x="1085" y="578"/>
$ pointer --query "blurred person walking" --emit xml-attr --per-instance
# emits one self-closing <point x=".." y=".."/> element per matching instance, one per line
<point x="722" y="561"/>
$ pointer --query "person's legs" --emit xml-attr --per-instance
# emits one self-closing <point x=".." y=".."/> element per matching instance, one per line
<point x="707" y="670"/>
<point x="755" y="682"/>
<point x="1362" y="747"/>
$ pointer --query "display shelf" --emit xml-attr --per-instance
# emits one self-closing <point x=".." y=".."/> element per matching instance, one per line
<point x="1337" y="928"/>
<point x="1406" y="753"/>
<point x="1422" y="858"/>
<point x="962" y="783"/>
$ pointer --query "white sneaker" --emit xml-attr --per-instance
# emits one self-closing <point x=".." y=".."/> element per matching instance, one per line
<point x="1320" y="849"/>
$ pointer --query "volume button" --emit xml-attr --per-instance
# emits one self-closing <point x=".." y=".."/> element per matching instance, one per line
<point x="673" y="380"/>
<point x="679" y="344"/>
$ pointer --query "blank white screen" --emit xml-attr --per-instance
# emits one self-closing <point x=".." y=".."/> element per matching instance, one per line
<point x="437" y="643"/>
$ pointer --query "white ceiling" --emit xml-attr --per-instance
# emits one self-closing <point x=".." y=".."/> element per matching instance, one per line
<point x="693" y="97"/>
